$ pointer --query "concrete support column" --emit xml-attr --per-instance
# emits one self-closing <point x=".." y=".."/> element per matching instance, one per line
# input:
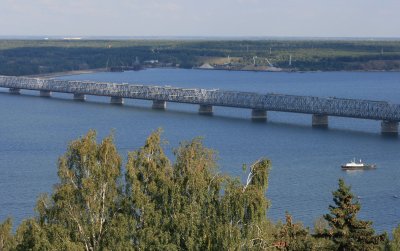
<point x="320" y="121"/>
<point x="390" y="127"/>
<point x="159" y="104"/>
<point x="14" y="90"/>
<point x="259" y="115"/>
<point x="117" y="100"/>
<point x="45" y="94"/>
<point x="79" y="97"/>
<point x="206" y="110"/>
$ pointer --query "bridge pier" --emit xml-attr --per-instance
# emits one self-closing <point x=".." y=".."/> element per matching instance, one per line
<point x="320" y="121"/>
<point x="206" y="110"/>
<point x="259" y="115"/>
<point x="116" y="100"/>
<point x="14" y="91"/>
<point x="44" y="93"/>
<point x="79" y="97"/>
<point x="390" y="127"/>
<point x="159" y="104"/>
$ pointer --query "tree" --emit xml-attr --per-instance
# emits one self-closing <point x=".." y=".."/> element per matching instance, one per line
<point x="185" y="205"/>
<point x="395" y="243"/>
<point x="292" y="236"/>
<point x="181" y="205"/>
<point x="320" y="226"/>
<point x="84" y="206"/>
<point x="149" y="195"/>
<point x="6" y="238"/>
<point x="197" y="186"/>
<point x="243" y="223"/>
<point x="346" y="231"/>
<point x="188" y="205"/>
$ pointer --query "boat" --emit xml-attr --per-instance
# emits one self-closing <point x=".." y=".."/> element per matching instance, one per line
<point x="353" y="165"/>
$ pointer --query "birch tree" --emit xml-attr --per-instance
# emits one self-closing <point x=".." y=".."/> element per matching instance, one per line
<point x="148" y="195"/>
<point x="85" y="203"/>
<point x="6" y="237"/>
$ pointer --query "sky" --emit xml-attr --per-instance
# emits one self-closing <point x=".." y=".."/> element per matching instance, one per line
<point x="210" y="18"/>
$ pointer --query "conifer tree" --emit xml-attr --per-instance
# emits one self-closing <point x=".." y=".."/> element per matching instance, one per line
<point x="346" y="231"/>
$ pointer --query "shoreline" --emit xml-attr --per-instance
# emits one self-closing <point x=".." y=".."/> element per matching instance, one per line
<point x="79" y="72"/>
<point x="65" y="73"/>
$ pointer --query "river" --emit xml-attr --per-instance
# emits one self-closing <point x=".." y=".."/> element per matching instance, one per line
<point x="35" y="131"/>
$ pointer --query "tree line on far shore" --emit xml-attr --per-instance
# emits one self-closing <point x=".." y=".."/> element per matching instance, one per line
<point x="30" y="57"/>
<point x="157" y="204"/>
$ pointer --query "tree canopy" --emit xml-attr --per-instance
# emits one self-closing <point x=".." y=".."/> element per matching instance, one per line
<point x="186" y="204"/>
<point x="346" y="231"/>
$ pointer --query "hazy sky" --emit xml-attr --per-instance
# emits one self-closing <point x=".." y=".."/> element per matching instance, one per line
<point x="320" y="18"/>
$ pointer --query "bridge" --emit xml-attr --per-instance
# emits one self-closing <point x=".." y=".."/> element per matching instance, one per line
<point x="319" y="108"/>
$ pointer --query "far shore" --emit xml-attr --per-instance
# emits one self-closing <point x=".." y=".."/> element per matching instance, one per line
<point x="78" y="72"/>
<point x="66" y="73"/>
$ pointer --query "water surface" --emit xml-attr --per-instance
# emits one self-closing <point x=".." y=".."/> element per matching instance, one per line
<point x="35" y="131"/>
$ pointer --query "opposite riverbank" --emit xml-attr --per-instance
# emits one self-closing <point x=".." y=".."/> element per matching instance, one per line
<point x="79" y="72"/>
<point x="48" y="57"/>
<point x="67" y="73"/>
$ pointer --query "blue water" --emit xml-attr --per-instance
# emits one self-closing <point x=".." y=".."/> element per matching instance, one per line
<point x="35" y="131"/>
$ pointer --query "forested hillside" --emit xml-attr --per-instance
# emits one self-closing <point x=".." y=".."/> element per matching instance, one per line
<point x="29" y="57"/>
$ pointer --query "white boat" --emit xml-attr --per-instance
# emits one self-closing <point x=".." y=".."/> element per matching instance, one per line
<point x="353" y="165"/>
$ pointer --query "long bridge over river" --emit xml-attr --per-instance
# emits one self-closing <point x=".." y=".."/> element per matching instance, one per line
<point x="319" y="108"/>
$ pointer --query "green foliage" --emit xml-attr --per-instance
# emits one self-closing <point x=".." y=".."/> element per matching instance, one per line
<point x="320" y="226"/>
<point x="346" y="231"/>
<point x="182" y="205"/>
<point x="395" y="243"/>
<point x="293" y="236"/>
<point x="87" y="197"/>
<point x="189" y="205"/>
<point x="84" y="206"/>
<point x="196" y="195"/>
<point x="148" y="191"/>
<point x="31" y="235"/>
<point x="242" y="221"/>
<point x="27" y="57"/>
<point x="6" y="238"/>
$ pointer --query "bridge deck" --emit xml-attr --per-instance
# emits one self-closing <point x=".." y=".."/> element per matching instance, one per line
<point x="354" y="108"/>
